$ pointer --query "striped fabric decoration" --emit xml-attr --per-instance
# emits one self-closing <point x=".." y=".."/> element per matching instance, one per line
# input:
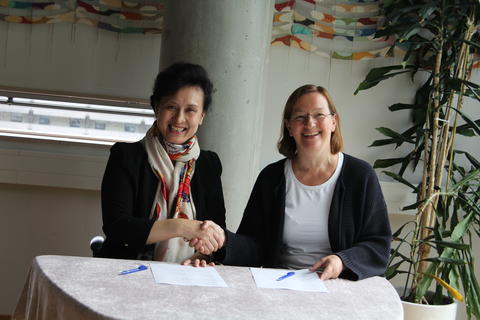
<point x="339" y="29"/>
<point x="333" y="29"/>
<point x="124" y="16"/>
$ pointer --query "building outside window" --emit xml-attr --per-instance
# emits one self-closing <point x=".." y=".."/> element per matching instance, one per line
<point x="16" y="117"/>
<point x="44" y="120"/>
<point x="130" y="127"/>
<point x="75" y="123"/>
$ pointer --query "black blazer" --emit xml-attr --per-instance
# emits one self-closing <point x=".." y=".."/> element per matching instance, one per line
<point x="128" y="190"/>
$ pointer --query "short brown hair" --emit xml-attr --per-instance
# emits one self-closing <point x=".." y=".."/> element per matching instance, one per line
<point x="286" y="144"/>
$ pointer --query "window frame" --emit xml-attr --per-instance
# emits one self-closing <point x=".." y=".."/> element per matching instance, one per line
<point x="86" y="103"/>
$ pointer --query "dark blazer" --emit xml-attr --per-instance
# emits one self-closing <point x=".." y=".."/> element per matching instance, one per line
<point x="128" y="190"/>
<point x="358" y="225"/>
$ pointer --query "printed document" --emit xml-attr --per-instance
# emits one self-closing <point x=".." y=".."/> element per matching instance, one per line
<point x="186" y="275"/>
<point x="301" y="280"/>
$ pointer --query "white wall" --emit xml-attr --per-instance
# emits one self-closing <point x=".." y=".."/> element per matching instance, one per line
<point x="49" y="204"/>
<point x="38" y="221"/>
<point x="43" y="216"/>
<point x="78" y="58"/>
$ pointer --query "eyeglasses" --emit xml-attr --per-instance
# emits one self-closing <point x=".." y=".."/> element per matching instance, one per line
<point x="303" y="118"/>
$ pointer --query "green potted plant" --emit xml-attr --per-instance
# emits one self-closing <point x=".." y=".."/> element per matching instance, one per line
<point x="434" y="250"/>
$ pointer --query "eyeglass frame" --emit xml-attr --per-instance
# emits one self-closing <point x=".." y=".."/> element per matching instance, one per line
<point x="317" y="117"/>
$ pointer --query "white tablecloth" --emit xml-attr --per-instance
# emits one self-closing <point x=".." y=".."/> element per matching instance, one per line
<point x="62" y="287"/>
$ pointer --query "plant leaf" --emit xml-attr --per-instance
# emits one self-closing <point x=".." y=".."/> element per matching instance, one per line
<point x="393" y="134"/>
<point x="391" y="270"/>
<point x="382" y="142"/>
<point x="400" y="179"/>
<point x="471" y="43"/>
<point x="470" y="158"/>
<point x="454" y="245"/>
<point x="401" y="106"/>
<point x="469" y="121"/>
<point x="454" y="292"/>
<point x="462" y="227"/>
<point x="445" y="260"/>
<point x="385" y="163"/>
<point x="473" y="291"/>
<point x="399" y="230"/>
<point x="379" y="74"/>
<point x="413" y="206"/>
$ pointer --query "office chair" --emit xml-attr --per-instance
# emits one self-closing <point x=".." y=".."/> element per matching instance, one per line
<point x="96" y="245"/>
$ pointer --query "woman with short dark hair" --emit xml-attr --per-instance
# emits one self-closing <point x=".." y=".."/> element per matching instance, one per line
<point x="319" y="208"/>
<point x="157" y="192"/>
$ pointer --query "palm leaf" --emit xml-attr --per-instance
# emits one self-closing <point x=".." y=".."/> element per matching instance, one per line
<point x="385" y="163"/>
<point x="400" y="179"/>
<point x="454" y="292"/>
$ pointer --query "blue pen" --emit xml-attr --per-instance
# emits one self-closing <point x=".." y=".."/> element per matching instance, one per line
<point x="140" y="268"/>
<point x="288" y="274"/>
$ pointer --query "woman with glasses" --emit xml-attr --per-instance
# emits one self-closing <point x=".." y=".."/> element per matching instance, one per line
<point x="319" y="208"/>
<point x="157" y="192"/>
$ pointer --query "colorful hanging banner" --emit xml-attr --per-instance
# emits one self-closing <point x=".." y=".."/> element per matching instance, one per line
<point x="340" y="29"/>
<point x="129" y="16"/>
<point x="335" y="29"/>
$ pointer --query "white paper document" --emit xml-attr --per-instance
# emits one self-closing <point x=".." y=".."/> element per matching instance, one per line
<point x="186" y="275"/>
<point x="301" y="280"/>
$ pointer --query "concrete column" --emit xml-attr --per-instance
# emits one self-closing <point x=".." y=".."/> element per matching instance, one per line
<point x="230" y="38"/>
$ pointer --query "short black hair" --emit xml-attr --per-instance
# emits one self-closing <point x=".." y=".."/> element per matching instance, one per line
<point x="178" y="76"/>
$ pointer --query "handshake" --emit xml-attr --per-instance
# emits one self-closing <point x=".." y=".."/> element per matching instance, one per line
<point x="205" y="236"/>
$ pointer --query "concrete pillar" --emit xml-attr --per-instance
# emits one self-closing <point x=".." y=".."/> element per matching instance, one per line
<point x="230" y="38"/>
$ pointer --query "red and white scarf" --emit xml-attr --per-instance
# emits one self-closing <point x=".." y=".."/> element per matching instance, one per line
<point x="174" y="165"/>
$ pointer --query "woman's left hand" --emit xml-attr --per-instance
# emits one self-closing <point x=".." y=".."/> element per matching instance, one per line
<point x="198" y="260"/>
<point x="332" y="266"/>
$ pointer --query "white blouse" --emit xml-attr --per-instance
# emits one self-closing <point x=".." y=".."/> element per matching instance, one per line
<point x="305" y="232"/>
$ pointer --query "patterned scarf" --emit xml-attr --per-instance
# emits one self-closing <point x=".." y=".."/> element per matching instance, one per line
<point x="174" y="165"/>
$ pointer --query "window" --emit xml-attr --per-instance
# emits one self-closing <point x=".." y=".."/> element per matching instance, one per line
<point x="130" y="127"/>
<point x="16" y="117"/>
<point x="67" y="118"/>
<point x="100" y="125"/>
<point x="75" y="123"/>
<point x="44" y="120"/>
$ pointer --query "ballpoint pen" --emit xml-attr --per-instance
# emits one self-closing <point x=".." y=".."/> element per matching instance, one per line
<point x="288" y="274"/>
<point x="139" y="268"/>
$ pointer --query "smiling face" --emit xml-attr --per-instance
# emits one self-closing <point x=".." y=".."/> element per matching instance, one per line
<point x="311" y="124"/>
<point x="180" y="115"/>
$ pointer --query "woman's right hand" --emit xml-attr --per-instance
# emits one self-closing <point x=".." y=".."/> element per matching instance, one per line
<point x="205" y="236"/>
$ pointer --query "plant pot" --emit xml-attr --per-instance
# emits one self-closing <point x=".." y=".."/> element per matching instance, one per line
<point x="416" y="311"/>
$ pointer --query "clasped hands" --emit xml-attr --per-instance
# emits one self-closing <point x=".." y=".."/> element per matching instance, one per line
<point x="207" y="237"/>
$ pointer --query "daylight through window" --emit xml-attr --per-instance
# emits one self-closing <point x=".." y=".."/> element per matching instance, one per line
<point x="72" y="121"/>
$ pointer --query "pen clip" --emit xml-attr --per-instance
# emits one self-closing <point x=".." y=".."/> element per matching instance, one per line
<point x="139" y="268"/>
<point x="288" y="274"/>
